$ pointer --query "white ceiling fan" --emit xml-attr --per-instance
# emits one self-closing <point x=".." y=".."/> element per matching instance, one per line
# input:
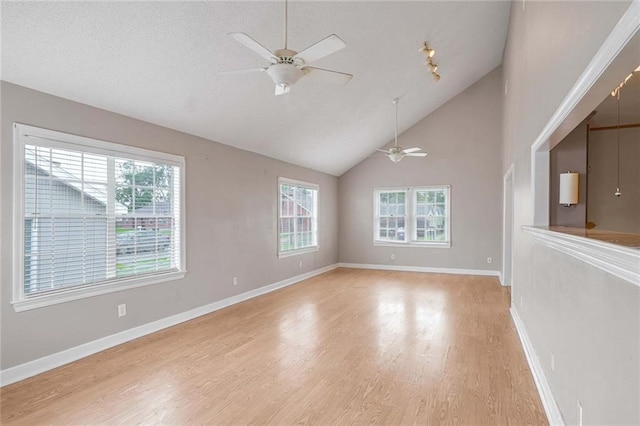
<point x="397" y="153"/>
<point x="288" y="66"/>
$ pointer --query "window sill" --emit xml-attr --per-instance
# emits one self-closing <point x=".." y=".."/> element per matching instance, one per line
<point x="616" y="259"/>
<point x="85" y="292"/>
<point x="412" y="244"/>
<point x="297" y="252"/>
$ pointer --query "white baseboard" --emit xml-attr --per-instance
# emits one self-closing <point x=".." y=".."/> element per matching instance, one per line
<point x="548" y="401"/>
<point x="49" y="362"/>
<point x="422" y="269"/>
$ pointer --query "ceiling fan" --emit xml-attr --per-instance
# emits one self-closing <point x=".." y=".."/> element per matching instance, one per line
<point x="288" y="66"/>
<point x="397" y="153"/>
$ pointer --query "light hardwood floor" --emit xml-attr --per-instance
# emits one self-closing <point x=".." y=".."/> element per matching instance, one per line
<point x="346" y="347"/>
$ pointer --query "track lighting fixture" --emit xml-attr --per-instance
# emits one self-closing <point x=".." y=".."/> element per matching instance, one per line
<point x="429" y="53"/>
<point x="616" y="91"/>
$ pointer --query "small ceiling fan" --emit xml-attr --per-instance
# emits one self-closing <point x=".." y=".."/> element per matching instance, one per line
<point x="288" y="66"/>
<point x="397" y="153"/>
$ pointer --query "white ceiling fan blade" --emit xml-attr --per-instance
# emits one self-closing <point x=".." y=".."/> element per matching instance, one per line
<point x="282" y="90"/>
<point x="333" y="77"/>
<point x="416" y="154"/>
<point x="408" y="150"/>
<point x="253" y="45"/>
<point x="383" y="150"/>
<point x="244" y="71"/>
<point x="323" y="48"/>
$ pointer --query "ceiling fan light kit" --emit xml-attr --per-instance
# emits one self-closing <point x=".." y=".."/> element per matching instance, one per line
<point x="288" y="66"/>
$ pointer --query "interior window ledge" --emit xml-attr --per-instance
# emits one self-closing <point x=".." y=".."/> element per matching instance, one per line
<point x="96" y="290"/>
<point x="298" y="251"/>
<point x="613" y="252"/>
<point x="412" y="244"/>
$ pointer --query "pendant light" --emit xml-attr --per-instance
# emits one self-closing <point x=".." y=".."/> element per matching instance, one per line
<point x="618" y="193"/>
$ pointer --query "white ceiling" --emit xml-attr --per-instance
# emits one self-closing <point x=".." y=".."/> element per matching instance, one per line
<point x="157" y="61"/>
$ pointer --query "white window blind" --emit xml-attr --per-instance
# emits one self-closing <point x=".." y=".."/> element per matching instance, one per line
<point x="93" y="216"/>
<point x="416" y="215"/>
<point x="297" y="219"/>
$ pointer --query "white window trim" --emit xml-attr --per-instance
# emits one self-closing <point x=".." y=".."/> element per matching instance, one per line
<point x="313" y="186"/>
<point x="409" y="218"/>
<point x="21" y="132"/>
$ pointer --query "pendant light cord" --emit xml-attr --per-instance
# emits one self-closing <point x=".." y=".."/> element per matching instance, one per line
<point x="618" y="165"/>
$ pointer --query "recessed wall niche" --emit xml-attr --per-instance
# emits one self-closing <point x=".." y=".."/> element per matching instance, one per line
<point x="605" y="150"/>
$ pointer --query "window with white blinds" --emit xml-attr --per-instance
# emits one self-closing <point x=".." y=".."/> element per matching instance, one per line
<point x="297" y="217"/>
<point x="93" y="215"/>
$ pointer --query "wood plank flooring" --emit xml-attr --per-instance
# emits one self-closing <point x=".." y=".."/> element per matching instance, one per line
<point x="347" y="347"/>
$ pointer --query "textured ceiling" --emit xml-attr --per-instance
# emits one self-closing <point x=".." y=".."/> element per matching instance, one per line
<point x="157" y="61"/>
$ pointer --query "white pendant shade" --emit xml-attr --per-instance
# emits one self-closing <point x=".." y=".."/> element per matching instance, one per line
<point x="569" y="186"/>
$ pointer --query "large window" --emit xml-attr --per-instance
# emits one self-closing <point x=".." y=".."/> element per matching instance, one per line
<point x="297" y="217"/>
<point x="92" y="217"/>
<point x="417" y="216"/>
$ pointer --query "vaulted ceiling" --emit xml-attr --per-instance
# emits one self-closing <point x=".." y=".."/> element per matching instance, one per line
<point x="157" y="61"/>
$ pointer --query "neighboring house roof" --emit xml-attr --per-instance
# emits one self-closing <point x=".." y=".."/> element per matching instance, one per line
<point x="434" y="211"/>
<point x="65" y="177"/>
<point x="162" y="208"/>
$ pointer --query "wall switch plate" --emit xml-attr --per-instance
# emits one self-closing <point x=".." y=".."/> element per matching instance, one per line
<point x="122" y="310"/>
<point x="300" y="265"/>
<point x="489" y="260"/>
<point x="235" y="280"/>
<point x="393" y="256"/>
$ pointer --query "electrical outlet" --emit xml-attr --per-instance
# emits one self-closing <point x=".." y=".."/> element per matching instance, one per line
<point x="122" y="310"/>
<point x="553" y="362"/>
<point x="579" y="413"/>
<point x="235" y="280"/>
<point x="300" y="265"/>
<point x="489" y="260"/>
<point x="393" y="256"/>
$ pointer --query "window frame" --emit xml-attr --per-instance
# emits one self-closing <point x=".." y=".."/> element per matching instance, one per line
<point x="411" y="217"/>
<point x="312" y="186"/>
<point x="54" y="139"/>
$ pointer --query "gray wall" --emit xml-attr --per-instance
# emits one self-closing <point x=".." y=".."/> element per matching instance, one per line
<point x="607" y="211"/>
<point x="589" y="319"/>
<point x="569" y="155"/>
<point x="231" y="208"/>
<point x="463" y="141"/>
